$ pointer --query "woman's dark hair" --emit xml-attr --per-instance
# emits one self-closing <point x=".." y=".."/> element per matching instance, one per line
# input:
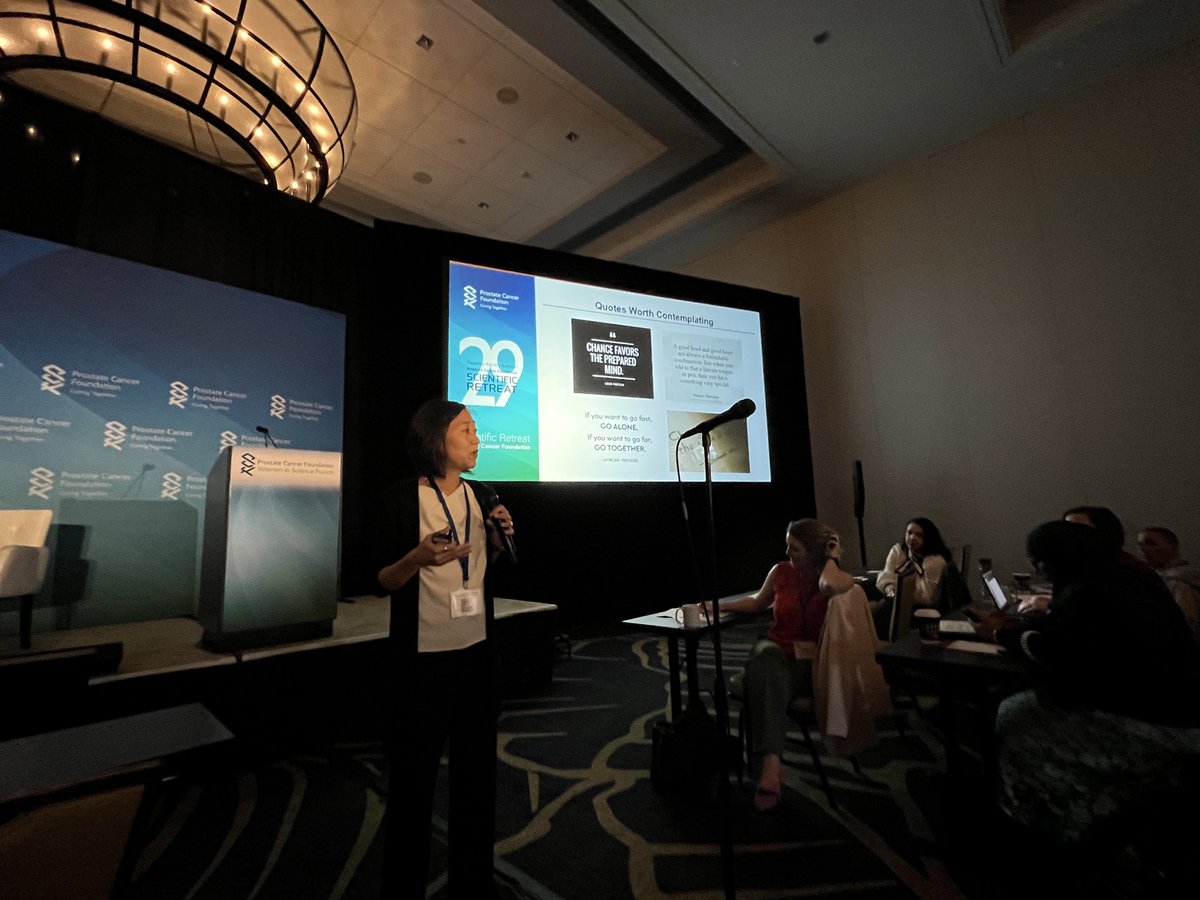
<point x="1068" y="551"/>
<point x="933" y="544"/>
<point x="426" y="440"/>
<point x="1105" y="521"/>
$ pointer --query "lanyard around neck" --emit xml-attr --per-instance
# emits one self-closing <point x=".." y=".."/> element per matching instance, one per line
<point x="463" y="561"/>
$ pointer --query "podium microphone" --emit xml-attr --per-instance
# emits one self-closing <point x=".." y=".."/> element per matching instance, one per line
<point x="262" y="429"/>
<point x="490" y="501"/>
<point x="740" y="410"/>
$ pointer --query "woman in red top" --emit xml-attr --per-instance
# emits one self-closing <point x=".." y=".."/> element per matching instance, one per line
<point x="780" y="667"/>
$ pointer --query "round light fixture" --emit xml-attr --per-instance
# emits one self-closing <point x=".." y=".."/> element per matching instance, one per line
<point x="255" y="86"/>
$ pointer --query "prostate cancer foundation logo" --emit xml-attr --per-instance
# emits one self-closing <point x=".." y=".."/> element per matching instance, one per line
<point x="114" y="435"/>
<point x="228" y="439"/>
<point x="278" y="406"/>
<point x="52" y="379"/>
<point x="248" y="464"/>
<point x="172" y="483"/>
<point x="178" y="396"/>
<point x="470" y="296"/>
<point x="41" y="482"/>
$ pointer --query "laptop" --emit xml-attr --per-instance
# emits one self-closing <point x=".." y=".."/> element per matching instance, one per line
<point x="1003" y="602"/>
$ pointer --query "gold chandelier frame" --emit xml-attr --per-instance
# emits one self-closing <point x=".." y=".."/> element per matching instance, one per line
<point x="265" y="90"/>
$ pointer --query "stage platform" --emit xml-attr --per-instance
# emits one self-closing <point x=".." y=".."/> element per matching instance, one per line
<point x="163" y="663"/>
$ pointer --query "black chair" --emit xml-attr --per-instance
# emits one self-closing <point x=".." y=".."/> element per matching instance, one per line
<point x="801" y="713"/>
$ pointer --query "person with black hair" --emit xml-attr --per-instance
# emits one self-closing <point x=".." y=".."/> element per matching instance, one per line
<point x="922" y="552"/>
<point x="1112" y="536"/>
<point x="1114" y="714"/>
<point x="438" y="536"/>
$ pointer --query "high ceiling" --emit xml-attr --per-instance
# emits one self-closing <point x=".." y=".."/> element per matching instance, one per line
<point x="644" y="129"/>
<point x="756" y="104"/>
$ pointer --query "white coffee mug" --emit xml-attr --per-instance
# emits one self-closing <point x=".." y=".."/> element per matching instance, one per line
<point x="691" y="615"/>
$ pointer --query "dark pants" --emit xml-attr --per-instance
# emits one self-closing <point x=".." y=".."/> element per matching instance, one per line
<point x="452" y="697"/>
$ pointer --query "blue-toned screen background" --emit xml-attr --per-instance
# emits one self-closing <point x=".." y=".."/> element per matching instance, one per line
<point x="119" y="385"/>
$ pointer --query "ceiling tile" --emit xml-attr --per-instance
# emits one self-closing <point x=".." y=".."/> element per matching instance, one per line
<point x="547" y="181"/>
<point x="346" y="18"/>
<point x="462" y="207"/>
<point x="393" y="102"/>
<point x="500" y="68"/>
<point x="457" y="44"/>
<point x="597" y="146"/>
<point x="372" y="148"/>
<point x="395" y="180"/>
<point x="459" y="137"/>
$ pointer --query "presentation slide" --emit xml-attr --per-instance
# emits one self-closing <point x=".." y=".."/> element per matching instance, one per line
<point x="120" y="384"/>
<point x="576" y="382"/>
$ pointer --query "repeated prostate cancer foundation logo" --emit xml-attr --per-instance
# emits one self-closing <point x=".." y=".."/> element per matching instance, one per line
<point x="52" y="379"/>
<point x="278" y="406"/>
<point x="172" y="484"/>
<point x="41" y="482"/>
<point x="470" y="296"/>
<point x="114" y="435"/>
<point x="248" y="464"/>
<point x="228" y="439"/>
<point x="178" y="396"/>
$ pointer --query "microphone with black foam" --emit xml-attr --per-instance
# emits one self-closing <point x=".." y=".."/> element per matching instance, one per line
<point x="740" y="410"/>
<point x="262" y="429"/>
<point x="489" y="499"/>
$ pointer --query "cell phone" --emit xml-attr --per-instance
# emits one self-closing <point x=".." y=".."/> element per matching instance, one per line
<point x="441" y="537"/>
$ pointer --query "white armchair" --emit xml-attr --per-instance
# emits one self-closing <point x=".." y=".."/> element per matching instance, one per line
<point x="23" y="560"/>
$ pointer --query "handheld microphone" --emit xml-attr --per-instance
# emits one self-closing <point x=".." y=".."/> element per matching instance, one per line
<point x="740" y="410"/>
<point x="490" y="501"/>
<point x="262" y="429"/>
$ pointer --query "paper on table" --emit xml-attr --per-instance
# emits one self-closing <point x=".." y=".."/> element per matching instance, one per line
<point x="975" y="647"/>
<point x="954" y="626"/>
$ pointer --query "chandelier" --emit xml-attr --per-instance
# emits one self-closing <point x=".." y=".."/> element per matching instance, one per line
<point x="255" y="86"/>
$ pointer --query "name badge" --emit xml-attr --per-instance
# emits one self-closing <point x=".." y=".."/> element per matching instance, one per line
<point x="466" y="602"/>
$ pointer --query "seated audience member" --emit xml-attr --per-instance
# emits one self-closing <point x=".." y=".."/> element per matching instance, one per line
<point x="922" y="552"/>
<point x="1114" y="716"/>
<point x="1160" y="549"/>
<point x="780" y="668"/>
<point x="1112" y="534"/>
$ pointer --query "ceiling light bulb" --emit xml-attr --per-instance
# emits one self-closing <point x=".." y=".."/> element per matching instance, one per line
<point x="107" y="44"/>
<point x="295" y="184"/>
<point x="224" y="100"/>
<point x="299" y="87"/>
<point x="43" y="32"/>
<point x="270" y="158"/>
<point x="258" y="132"/>
<point x="31" y="130"/>
<point x="172" y="68"/>
<point x="308" y="176"/>
<point x="243" y="33"/>
<point x="3" y="42"/>
<point x="205" y="9"/>
<point x="314" y="109"/>
<point x="76" y="157"/>
<point x="276" y="61"/>
<point x="320" y="130"/>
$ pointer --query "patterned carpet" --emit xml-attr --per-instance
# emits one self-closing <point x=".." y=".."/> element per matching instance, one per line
<point x="578" y="816"/>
